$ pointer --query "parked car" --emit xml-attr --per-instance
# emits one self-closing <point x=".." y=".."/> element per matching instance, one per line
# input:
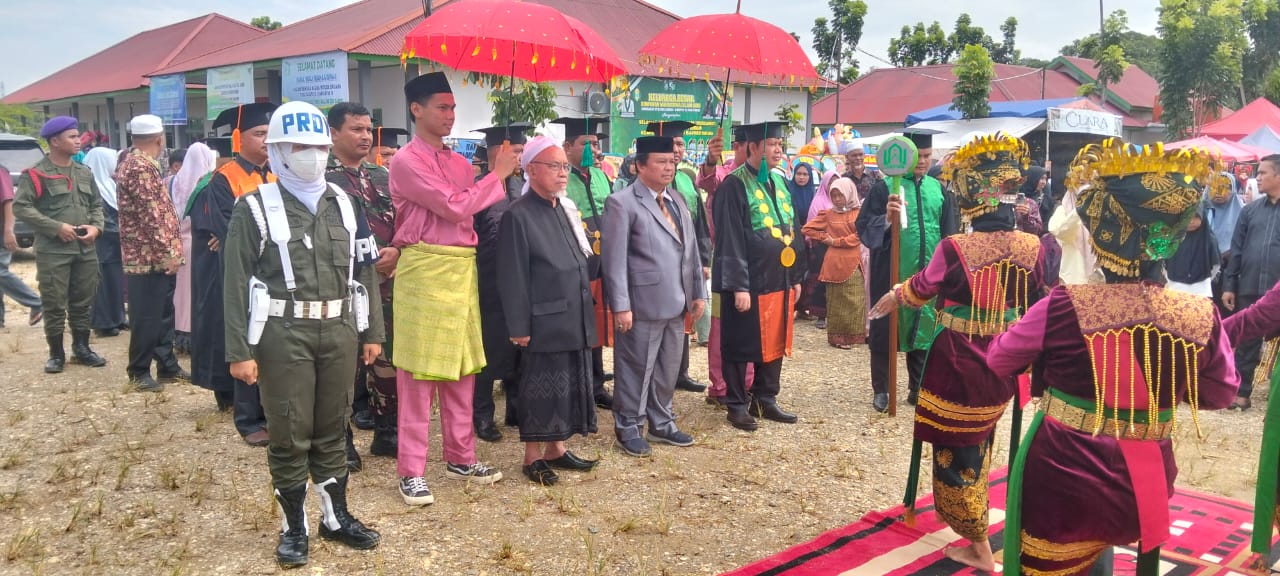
<point x="17" y="153"/>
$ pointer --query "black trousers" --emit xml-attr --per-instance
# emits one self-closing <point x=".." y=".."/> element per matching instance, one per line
<point x="684" y="362"/>
<point x="765" y="386"/>
<point x="597" y="372"/>
<point x="1248" y="353"/>
<point x="151" y="323"/>
<point x="880" y="370"/>
<point x="247" y="408"/>
<point x="505" y="367"/>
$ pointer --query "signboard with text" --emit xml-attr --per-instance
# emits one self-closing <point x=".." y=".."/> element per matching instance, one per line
<point x="228" y="87"/>
<point x="1085" y="122"/>
<point x="318" y="79"/>
<point x="168" y="98"/>
<point x="648" y="100"/>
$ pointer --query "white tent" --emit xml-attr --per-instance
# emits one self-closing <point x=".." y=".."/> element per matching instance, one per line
<point x="952" y="133"/>
<point x="1264" y="138"/>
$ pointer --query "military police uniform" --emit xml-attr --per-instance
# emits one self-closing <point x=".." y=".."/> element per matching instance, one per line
<point x="47" y="197"/>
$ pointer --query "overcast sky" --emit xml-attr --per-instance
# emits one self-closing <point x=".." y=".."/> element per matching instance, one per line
<point x="41" y="37"/>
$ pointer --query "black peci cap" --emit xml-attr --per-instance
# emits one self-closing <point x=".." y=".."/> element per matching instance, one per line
<point x="426" y="85"/>
<point x="655" y="145"/>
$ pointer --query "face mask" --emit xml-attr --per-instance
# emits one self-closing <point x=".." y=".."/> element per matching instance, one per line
<point x="308" y="164"/>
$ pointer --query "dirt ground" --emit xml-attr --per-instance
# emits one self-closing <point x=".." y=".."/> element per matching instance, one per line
<point x="97" y="479"/>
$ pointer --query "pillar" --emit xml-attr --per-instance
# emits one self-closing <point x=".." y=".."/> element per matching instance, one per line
<point x="274" y="88"/>
<point x="364" y="80"/>
<point x="112" y="132"/>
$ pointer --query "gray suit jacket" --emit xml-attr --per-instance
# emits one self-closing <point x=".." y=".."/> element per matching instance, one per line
<point x="648" y="270"/>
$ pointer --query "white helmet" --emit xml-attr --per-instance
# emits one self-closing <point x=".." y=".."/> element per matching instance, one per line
<point x="298" y="123"/>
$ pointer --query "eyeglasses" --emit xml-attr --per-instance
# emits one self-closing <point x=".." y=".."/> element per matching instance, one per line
<point x="553" y="165"/>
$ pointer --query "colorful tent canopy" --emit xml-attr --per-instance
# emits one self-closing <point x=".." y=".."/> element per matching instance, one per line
<point x="1264" y="138"/>
<point x="1230" y="151"/>
<point x="1016" y="109"/>
<point x="1245" y="121"/>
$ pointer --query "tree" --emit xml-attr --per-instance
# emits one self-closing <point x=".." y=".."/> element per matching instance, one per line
<point x="19" y="119"/>
<point x="1006" y="52"/>
<point x="265" y="23"/>
<point x="1111" y="66"/>
<point x="1203" y="44"/>
<point x="974" y="73"/>
<point x="790" y="114"/>
<point x="532" y="102"/>
<point x="834" y="40"/>
<point x="1087" y="89"/>
<point x="1140" y="49"/>
<point x="1271" y="89"/>
<point x="966" y="34"/>
<point x="1262" y="17"/>
<point x="918" y="46"/>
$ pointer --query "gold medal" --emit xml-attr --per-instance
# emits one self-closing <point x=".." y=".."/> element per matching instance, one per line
<point x="768" y="221"/>
<point x="788" y="257"/>
<point x="775" y="232"/>
<point x="595" y="247"/>
<point x="764" y="208"/>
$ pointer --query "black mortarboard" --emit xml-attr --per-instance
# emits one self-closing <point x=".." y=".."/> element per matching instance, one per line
<point x="514" y="133"/>
<point x="655" y="145"/>
<point x="921" y="137"/>
<point x="481" y="155"/>
<point x="426" y="85"/>
<point x="389" y="137"/>
<point x="762" y="131"/>
<point x="589" y="126"/>
<point x="245" y="116"/>
<point x="739" y="135"/>
<point x="220" y="145"/>
<point x="669" y="129"/>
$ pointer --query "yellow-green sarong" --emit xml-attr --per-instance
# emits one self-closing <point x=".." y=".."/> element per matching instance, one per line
<point x="436" y="304"/>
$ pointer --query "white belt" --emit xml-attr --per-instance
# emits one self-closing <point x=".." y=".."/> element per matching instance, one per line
<point x="320" y="310"/>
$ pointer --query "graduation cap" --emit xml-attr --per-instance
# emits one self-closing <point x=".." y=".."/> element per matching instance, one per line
<point x="244" y="117"/>
<point x="480" y="156"/>
<point x="762" y="131"/>
<point x="513" y="133"/>
<point x="589" y="126"/>
<point x="220" y="145"/>
<point x="389" y="137"/>
<point x="655" y="145"/>
<point x="425" y="85"/>
<point x="669" y="129"/>
<point x="921" y="137"/>
<point x="739" y="135"/>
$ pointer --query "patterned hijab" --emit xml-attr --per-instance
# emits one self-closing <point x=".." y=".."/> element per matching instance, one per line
<point x="1139" y="200"/>
<point x="982" y="170"/>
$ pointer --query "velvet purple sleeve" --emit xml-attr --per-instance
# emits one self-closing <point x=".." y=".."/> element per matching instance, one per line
<point x="1011" y="352"/>
<point x="1261" y="319"/>
<point x="1218" y="377"/>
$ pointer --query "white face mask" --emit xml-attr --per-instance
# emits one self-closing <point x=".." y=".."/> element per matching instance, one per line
<point x="309" y="163"/>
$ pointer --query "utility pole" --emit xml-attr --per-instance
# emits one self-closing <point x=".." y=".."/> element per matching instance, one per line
<point x="839" y="71"/>
<point x="1102" y="31"/>
<point x="426" y="8"/>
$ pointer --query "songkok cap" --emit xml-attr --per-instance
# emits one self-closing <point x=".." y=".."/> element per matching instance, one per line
<point x="669" y="129"/>
<point x="589" y="126"/>
<point x="425" y="85"/>
<point x="245" y="116"/>
<point x="57" y="125"/>
<point x="762" y="131"/>
<point x="921" y="137"/>
<point x="513" y="133"/>
<point x="655" y="145"/>
<point x="146" y="125"/>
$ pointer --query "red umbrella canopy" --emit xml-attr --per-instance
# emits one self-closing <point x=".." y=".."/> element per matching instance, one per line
<point x="506" y="37"/>
<point x="735" y="42"/>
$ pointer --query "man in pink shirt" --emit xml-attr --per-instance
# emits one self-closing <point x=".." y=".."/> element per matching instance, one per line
<point x="710" y="175"/>
<point x="436" y="300"/>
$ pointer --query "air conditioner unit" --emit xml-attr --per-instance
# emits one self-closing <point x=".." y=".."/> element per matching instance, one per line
<point x="595" y="103"/>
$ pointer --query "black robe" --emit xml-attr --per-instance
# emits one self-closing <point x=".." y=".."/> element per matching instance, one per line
<point x="500" y="355"/>
<point x="747" y="260"/>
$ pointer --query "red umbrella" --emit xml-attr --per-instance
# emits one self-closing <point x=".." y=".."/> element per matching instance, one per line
<point x="507" y="37"/>
<point x="735" y="42"/>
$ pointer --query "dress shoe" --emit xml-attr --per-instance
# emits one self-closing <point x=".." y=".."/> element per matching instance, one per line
<point x="386" y="437"/>
<point x="689" y="384"/>
<point x="354" y="463"/>
<point x="571" y="461"/>
<point x="82" y="353"/>
<point x="57" y="356"/>
<point x="36" y="315"/>
<point x="769" y="410"/>
<point x="676" y="438"/>
<point x="913" y="396"/>
<point x="880" y="402"/>
<point x="606" y="376"/>
<point x="741" y="420"/>
<point x="362" y="419"/>
<point x="337" y="523"/>
<point x="108" y="333"/>
<point x="717" y="401"/>
<point x="634" y="447"/>
<point x="257" y="438"/>
<point x="604" y="401"/>
<point x="292" y="548"/>
<point x="487" y="431"/>
<point x="171" y="377"/>
<point x="540" y="473"/>
<point x="145" y="383"/>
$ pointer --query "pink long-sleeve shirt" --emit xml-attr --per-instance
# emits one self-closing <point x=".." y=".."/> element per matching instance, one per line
<point x="436" y="196"/>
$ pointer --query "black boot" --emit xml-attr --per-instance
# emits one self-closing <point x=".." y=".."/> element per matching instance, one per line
<point x="82" y="353"/>
<point x="57" y="356"/>
<point x="385" y="436"/>
<point x="292" y="549"/>
<point x="354" y="464"/>
<point x="336" y="523"/>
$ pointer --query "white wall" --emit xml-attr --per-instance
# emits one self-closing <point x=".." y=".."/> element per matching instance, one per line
<point x="752" y="104"/>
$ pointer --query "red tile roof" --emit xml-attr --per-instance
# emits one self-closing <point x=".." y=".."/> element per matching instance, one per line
<point x="889" y="95"/>
<point x="1136" y="87"/>
<point x="378" y="27"/>
<point x="126" y="65"/>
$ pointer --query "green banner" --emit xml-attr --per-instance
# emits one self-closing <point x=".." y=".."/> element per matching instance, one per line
<point x="646" y="100"/>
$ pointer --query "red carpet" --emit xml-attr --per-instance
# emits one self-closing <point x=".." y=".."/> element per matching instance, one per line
<point x="1210" y="535"/>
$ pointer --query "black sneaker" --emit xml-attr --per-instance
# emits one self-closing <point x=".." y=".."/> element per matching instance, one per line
<point x="676" y="438"/>
<point x="478" y="473"/>
<point x="414" y="491"/>
<point x="145" y="383"/>
<point x="172" y="377"/>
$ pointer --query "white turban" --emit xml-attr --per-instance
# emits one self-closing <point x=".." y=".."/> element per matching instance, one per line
<point x="532" y="149"/>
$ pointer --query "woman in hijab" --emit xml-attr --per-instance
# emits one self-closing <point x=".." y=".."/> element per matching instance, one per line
<point x="803" y="186"/>
<point x="1030" y="218"/>
<point x="842" y="269"/>
<point x="1191" y="268"/>
<point x="199" y="161"/>
<point x="626" y="173"/>
<point x="813" y="298"/>
<point x="1223" y="209"/>
<point x="108" y="304"/>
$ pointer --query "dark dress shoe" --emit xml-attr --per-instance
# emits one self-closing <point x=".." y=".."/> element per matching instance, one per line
<point x="488" y="432"/>
<point x="257" y="438"/>
<point x="717" y="401"/>
<point x="172" y="377"/>
<point x="913" y="396"/>
<point x="108" y="333"/>
<point x="145" y="383"/>
<point x="606" y="376"/>
<point x="770" y="411"/>
<point x="540" y="473"/>
<point x="741" y="420"/>
<point x="880" y="402"/>
<point x="604" y="401"/>
<point x="690" y="385"/>
<point x="571" y="461"/>
<point x="362" y="419"/>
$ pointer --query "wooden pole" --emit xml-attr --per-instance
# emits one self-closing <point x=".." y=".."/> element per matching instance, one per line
<point x="895" y="248"/>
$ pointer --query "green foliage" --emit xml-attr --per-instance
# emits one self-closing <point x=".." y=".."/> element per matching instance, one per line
<point x="1271" y="89"/>
<point x="789" y="113"/>
<point x="919" y="46"/>
<point x="1262" y="18"/>
<point x="1112" y="65"/>
<point x="1139" y="49"/>
<point x="1006" y="52"/>
<point x="1202" y="52"/>
<point x="835" y="39"/>
<point x="974" y="73"/>
<point x="20" y="119"/>
<point x="265" y="23"/>
<point x="1033" y="62"/>
<point x="530" y="102"/>
<point x="1087" y="89"/>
